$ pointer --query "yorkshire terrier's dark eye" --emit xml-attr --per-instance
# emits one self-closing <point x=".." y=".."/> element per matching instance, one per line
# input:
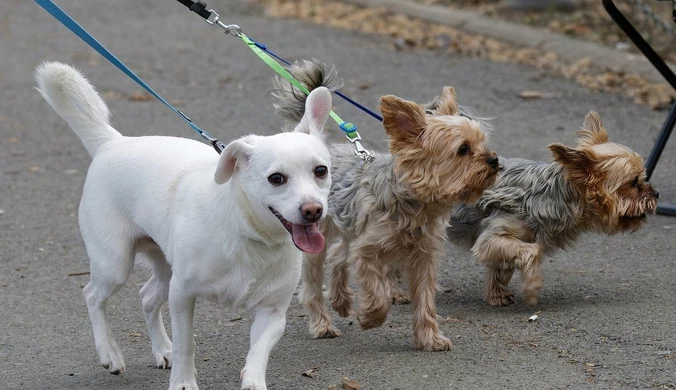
<point x="634" y="183"/>
<point x="463" y="150"/>
<point x="277" y="179"/>
<point x="321" y="171"/>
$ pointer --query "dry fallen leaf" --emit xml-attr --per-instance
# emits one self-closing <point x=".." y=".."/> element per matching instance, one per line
<point x="135" y="335"/>
<point x="139" y="96"/>
<point x="349" y="384"/>
<point x="34" y="168"/>
<point x="530" y="95"/>
<point x="310" y="373"/>
<point x="12" y="140"/>
<point x="110" y="95"/>
<point x="78" y="273"/>
<point x="536" y="95"/>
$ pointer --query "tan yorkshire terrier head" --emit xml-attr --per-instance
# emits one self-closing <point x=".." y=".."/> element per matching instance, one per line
<point x="610" y="177"/>
<point x="443" y="158"/>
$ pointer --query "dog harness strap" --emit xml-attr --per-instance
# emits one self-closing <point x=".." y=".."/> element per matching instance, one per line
<point x="73" y="26"/>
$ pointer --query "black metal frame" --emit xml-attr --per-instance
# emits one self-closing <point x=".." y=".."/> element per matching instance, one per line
<point x="665" y="71"/>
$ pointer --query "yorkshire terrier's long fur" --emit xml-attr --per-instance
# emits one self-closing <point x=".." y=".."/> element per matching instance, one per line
<point x="391" y="211"/>
<point x="535" y="208"/>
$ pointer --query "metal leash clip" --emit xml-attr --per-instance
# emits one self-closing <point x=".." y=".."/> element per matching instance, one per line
<point x="358" y="148"/>
<point x="351" y="134"/>
<point x="232" y="29"/>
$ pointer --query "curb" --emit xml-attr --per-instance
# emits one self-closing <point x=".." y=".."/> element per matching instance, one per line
<point x="564" y="47"/>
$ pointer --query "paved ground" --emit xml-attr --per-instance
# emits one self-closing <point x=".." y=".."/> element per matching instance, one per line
<point x="607" y="310"/>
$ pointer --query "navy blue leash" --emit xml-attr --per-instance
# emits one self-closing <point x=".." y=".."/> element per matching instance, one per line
<point x="72" y="25"/>
<point x="354" y="103"/>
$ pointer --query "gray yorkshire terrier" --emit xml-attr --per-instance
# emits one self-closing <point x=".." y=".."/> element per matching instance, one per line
<point x="391" y="212"/>
<point x="535" y="208"/>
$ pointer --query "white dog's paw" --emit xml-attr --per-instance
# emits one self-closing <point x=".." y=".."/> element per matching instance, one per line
<point x="253" y="386"/>
<point x="184" y="385"/>
<point x="250" y="382"/>
<point x="111" y="358"/>
<point x="163" y="357"/>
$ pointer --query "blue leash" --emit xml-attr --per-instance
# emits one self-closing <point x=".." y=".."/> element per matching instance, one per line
<point x="72" y="25"/>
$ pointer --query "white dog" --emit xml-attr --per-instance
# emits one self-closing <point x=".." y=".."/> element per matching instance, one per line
<point x="216" y="227"/>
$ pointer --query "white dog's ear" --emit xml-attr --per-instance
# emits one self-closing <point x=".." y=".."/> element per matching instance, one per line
<point x="317" y="109"/>
<point x="235" y="156"/>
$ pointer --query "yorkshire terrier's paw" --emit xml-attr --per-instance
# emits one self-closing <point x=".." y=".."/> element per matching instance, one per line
<point x="371" y="320"/>
<point x="532" y="300"/>
<point x="531" y="289"/>
<point x="323" y="329"/>
<point x="400" y="298"/>
<point x="504" y="299"/>
<point x="342" y="305"/>
<point x="344" y="310"/>
<point x="327" y="332"/>
<point x="435" y="342"/>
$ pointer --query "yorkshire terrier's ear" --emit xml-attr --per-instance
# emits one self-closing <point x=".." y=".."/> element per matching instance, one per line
<point x="580" y="163"/>
<point x="448" y="102"/>
<point x="403" y="120"/>
<point x="592" y="132"/>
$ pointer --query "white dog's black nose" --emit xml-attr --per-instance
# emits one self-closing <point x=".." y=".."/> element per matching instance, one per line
<point x="311" y="212"/>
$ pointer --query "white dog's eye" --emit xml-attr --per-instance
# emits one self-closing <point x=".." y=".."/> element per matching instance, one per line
<point x="277" y="179"/>
<point x="321" y="171"/>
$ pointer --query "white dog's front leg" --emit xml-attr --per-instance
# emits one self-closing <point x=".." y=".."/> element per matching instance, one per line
<point x="266" y="330"/>
<point x="182" y="309"/>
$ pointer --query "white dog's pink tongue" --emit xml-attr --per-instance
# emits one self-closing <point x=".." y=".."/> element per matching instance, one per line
<point x="307" y="237"/>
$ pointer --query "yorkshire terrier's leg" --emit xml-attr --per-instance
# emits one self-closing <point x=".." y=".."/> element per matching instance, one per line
<point x="501" y="252"/>
<point x="340" y="294"/>
<point x="497" y="292"/>
<point x="399" y="296"/>
<point x="374" y="296"/>
<point x="531" y="273"/>
<point x="311" y="296"/>
<point x="422" y="283"/>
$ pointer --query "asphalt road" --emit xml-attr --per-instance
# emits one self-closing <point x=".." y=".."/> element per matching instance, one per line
<point x="607" y="317"/>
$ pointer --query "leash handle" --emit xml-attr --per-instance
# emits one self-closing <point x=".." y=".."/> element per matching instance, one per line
<point x="73" y="26"/>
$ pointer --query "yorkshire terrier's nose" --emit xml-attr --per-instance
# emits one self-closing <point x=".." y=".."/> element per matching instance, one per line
<point x="492" y="161"/>
<point x="656" y="194"/>
<point x="311" y="212"/>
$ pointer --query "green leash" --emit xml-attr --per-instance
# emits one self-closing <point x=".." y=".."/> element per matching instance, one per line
<point x="348" y="127"/>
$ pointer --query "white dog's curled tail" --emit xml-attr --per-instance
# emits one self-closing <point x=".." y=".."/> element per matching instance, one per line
<point x="72" y="97"/>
